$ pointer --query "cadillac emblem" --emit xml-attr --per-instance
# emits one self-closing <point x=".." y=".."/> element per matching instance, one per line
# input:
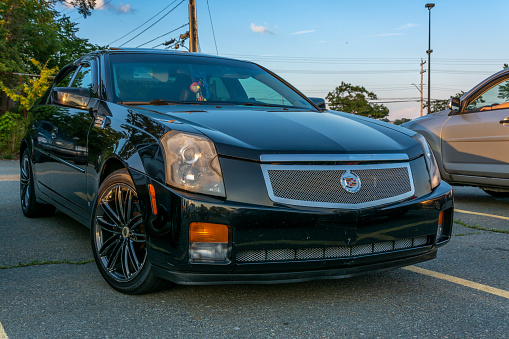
<point x="350" y="182"/>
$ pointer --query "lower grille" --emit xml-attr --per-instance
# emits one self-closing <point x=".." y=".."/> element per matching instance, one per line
<point x="331" y="252"/>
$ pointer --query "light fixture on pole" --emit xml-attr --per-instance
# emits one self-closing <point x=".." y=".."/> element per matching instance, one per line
<point x="429" y="51"/>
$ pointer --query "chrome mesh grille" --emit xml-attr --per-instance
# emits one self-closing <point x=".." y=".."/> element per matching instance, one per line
<point x="320" y="186"/>
<point x="331" y="252"/>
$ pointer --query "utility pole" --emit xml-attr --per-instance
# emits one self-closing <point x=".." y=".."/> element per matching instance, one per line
<point x="193" y="27"/>
<point x="429" y="51"/>
<point x="422" y="72"/>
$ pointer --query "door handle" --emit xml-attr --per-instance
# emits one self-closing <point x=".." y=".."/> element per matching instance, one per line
<point x="505" y="121"/>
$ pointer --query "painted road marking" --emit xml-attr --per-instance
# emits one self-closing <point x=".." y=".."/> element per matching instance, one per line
<point x="483" y="214"/>
<point x="467" y="283"/>
<point x="3" y="335"/>
<point x="9" y="177"/>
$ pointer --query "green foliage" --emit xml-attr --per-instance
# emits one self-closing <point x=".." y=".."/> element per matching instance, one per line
<point x="12" y="125"/>
<point x="33" y="33"/>
<point x="33" y="29"/>
<point x="355" y="100"/>
<point x="401" y="121"/>
<point x="26" y="94"/>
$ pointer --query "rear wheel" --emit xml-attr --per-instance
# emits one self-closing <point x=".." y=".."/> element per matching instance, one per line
<point x="29" y="205"/>
<point x="119" y="240"/>
<point x="497" y="194"/>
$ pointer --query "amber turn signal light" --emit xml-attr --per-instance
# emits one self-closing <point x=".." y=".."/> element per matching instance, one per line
<point x="207" y="232"/>
<point x="153" y="198"/>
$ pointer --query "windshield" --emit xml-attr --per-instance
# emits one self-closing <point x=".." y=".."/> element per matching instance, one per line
<point x="178" y="78"/>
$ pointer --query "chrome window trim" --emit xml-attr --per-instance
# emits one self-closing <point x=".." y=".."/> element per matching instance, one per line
<point x="267" y="167"/>
<point x="333" y="157"/>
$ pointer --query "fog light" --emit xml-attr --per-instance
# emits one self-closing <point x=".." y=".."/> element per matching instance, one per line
<point x="209" y="243"/>
<point x="440" y="228"/>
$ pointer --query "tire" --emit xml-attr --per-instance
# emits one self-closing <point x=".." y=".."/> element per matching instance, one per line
<point x="119" y="241"/>
<point x="497" y="194"/>
<point x="29" y="205"/>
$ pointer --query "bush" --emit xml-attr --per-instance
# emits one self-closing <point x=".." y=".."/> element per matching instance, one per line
<point x="12" y="127"/>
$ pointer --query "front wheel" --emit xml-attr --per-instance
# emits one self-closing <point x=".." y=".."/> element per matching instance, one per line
<point x="119" y="240"/>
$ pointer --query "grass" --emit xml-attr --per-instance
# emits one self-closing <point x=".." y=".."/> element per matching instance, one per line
<point x="480" y="228"/>
<point x="465" y="234"/>
<point x="44" y="262"/>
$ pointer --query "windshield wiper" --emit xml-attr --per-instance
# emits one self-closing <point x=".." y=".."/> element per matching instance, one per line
<point x="266" y="105"/>
<point x="155" y="102"/>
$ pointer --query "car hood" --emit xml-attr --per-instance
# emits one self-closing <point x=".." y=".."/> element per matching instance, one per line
<point x="248" y="132"/>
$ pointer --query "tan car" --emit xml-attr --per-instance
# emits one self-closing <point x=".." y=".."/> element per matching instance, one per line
<point x="470" y="139"/>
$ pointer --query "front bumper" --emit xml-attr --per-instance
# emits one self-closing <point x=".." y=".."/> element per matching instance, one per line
<point x="290" y="229"/>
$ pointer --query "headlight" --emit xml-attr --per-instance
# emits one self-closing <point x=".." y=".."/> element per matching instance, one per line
<point x="431" y="163"/>
<point x="192" y="163"/>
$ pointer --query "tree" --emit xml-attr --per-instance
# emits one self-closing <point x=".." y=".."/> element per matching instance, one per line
<point x="12" y="124"/>
<point x="401" y="121"/>
<point x="355" y="100"/>
<point x="33" y="33"/>
<point x="33" y="29"/>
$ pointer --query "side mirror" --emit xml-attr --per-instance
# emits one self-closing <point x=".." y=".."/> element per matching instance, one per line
<point x="71" y="97"/>
<point x="454" y="104"/>
<point x="319" y="102"/>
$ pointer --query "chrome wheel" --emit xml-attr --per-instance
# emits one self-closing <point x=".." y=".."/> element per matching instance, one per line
<point x="120" y="240"/>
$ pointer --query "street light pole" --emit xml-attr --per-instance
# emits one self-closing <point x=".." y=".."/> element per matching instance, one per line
<point x="429" y="51"/>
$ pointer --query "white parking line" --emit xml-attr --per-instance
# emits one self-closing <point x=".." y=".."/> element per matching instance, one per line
<point x="483" y="214"/>
<point x="9" y="177"/>
<point x="3" y="335"/>
<point x="485" y="288"/>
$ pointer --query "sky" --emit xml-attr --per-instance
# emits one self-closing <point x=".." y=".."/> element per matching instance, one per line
<point x="316" y="45"/>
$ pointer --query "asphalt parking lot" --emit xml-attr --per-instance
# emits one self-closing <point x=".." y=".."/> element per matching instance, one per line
<point x="50" y="288"/>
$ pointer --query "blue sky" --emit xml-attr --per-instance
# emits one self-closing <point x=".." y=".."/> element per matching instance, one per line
<point x="317" y="44"/>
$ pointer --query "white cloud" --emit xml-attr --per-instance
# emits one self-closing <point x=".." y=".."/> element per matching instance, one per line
<point x="409" y="25"/>
<point x="303" y="32"/>
<point x="122" y="8"/>
<point x="103" y="5"/>
<point x="261" y="29"/>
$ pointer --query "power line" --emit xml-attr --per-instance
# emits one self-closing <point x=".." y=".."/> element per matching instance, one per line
<point x="212" y="25"/>
<point x="161" y="18"/>
<point x="373" y="72"/>
<point x="184" y="25"/>
<point x="143" y="23"/>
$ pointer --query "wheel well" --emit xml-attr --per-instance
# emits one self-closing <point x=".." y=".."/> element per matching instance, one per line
<point x="22" y="148"/>
<point x="111" y="166"/>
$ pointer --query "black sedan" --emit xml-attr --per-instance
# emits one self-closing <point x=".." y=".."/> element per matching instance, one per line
<point x="195" y="169"/>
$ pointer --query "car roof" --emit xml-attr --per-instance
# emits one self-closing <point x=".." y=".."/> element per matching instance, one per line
<point x="118" y="50"/>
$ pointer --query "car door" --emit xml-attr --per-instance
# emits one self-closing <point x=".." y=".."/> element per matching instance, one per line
<point x="475" y="142"/>
<point x="69" y="151"/>
<point x="43" y="134"/>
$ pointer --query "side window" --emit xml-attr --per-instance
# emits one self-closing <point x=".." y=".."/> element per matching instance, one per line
<point x="64" y="82"/>
<point x="84" y="79"/>
<point x="496" y="97"/>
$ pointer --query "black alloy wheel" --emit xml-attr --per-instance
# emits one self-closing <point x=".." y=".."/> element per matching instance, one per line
<point x="119" y="240"/>
<point x="29" y="205"/>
